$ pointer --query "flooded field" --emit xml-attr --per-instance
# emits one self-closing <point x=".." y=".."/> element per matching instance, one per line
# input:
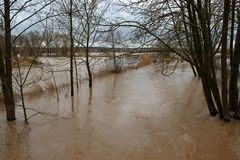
<point x="54" y="71"/>
<point x="136" y="115"/>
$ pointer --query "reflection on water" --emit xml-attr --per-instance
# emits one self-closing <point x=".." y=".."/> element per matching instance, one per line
<point x="137" y="115"/>
<point x="90" y="91"/>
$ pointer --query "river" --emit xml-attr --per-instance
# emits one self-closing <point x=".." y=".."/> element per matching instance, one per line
<point x="136" y="115"/>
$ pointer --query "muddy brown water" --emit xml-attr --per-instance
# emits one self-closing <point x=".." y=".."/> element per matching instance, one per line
<point x="136" y="115"/>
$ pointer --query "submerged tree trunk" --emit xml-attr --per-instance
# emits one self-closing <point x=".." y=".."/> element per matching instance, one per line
<point x="202" y="53"/>
<point x="88" y="66"/>
<point x="208" y="94"/>
<point x="76" y="70"/>
<point x="87" y="53"/>
<point x="6" y="65"/>
<point x="194" y="71"/>
<point x="115" y="65"/>
<point x="216" y="95"/>
<point x="9" y="105"/>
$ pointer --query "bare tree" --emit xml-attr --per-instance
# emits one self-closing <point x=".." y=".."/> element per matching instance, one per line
<point x="71" y="45"/>
<point x="114" y="38"/>
<point x="89" y="15"/>
<point x="200" y="29"/>
<point x="66" y="20"/>
<point x="11" y="10"/>
<point x="22" y="75"/>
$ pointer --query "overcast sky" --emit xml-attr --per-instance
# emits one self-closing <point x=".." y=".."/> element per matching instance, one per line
<point x="112" y="14"/>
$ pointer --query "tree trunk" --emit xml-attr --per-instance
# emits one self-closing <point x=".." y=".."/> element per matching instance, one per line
<point x="71" y="47"/>
<point x="194" y="71"/>
<point x="214" y="88"/>
<point x="6" y="66"/>
<point x="87" y="54"/>
<point x="232" y="99"/>
<point x="88" y="67"/>
<point x="116" y="67"/>
<point x="224" y="74"/>
<point x="202" y="50"/>
<point x="208" y="97"/>
<point x="76" y="70"/>
<point x="216" y="94"/>
<point x="233" y="93"/>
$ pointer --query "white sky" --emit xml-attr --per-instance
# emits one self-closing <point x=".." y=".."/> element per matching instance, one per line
<point x="111" y="15"/>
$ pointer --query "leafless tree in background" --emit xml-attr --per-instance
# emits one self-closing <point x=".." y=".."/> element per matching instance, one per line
<point x="65" y="18"/>
<point x="90" y="14"/>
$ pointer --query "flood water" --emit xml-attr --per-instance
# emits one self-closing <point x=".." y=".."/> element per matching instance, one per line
<point x="136" y="115"/>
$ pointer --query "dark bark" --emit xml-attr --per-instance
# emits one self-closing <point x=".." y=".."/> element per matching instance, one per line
<point x="194" y="71"/>
<point x="232" y="30"/>
<point x="233" y="100"/>
<point x="224" y="73"/>
<point x="88" y="65"/>
<point x="215" y="89"/>
<point x="208" y="65"/>
<point x="208" y="97"/>
<point x="233" y="93"/>
<point x="76" y="70"/>
<point x="87" y="52"/>
<point x="116" y="67"/>
<point x="197" y="44"/>
<point x="71" y="47"/>
<point x="189" y="42"/>
<point x="202" y="47"/>
<point x="6" y="65"/>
